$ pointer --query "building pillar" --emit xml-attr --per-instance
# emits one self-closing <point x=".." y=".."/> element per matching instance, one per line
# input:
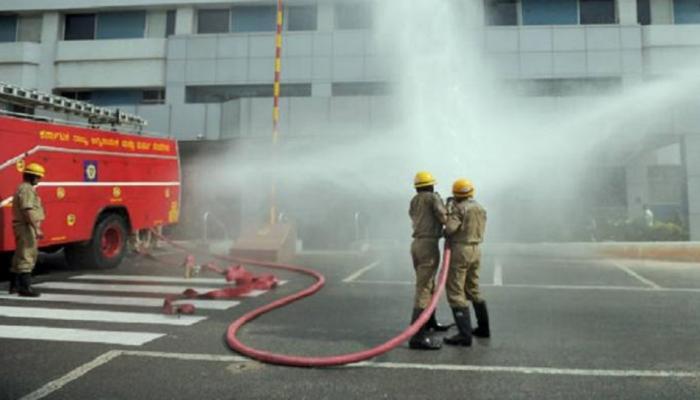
<point x="627" y="12"/>
<point x="661" y="12"/>
<point x="184" y="21"/>
<point x="691" y="149"/>
<point x="637" y="181"/>
<point x="326" y="16"/>
<point x="50" y="31"/>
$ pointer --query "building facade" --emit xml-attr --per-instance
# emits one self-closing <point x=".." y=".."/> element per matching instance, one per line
<point x="203" y="69"/>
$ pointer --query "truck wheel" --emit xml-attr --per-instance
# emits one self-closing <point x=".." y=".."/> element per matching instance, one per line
<point x="107" y="247"/>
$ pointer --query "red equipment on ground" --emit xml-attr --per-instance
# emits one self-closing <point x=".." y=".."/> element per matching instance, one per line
<point x="101" y="186"/>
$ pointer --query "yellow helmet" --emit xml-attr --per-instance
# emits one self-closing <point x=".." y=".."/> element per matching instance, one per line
<point x="35" y="169"/>
<point x="463" y="188"/>
<point x="423" y="179"/>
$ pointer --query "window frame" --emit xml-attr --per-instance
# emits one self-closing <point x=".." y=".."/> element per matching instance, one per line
<point x="228" y="20"/>
<point x="285" y="24"/>
<point x="363" y="3"/>
<point x="65" y="26"/>
<point x="17" y="21"/>
<point x="168" y="24"/>
<point x="232" y="15"/>
<point x="143" y="32"/>
<point x="616" y="17"/>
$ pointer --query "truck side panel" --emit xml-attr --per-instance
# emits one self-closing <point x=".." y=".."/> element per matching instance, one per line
<point x="88" y="170"/>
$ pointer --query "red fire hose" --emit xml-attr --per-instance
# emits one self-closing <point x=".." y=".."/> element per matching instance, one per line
<point x="300" y="361"/>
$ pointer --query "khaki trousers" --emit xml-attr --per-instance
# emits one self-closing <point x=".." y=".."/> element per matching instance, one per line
<point x="426" y="259"/>
<point x="463" y="277"/>
<point x="26" y="251"/>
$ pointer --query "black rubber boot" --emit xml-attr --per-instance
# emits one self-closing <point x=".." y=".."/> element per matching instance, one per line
<point x="421" y="340"/>
<point x="13" y="283"/>
<point x="434" y="326"/>
<point x="482" y="319"/>
<point x="464" y="325"/>
<point x="25" y="286"/>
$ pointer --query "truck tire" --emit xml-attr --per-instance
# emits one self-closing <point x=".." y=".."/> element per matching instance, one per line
<point x="107" y="247"/>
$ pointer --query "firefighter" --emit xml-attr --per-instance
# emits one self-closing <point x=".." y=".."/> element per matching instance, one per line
<point x="466" y="221"/>
<point x="428" y="214"/>
<point x="27" y="216"/>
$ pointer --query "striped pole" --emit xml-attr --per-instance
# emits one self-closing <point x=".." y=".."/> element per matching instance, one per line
<point x="276" y="104"/>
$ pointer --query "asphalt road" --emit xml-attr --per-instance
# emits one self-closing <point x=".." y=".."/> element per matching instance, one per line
<point x="562" y="329"/>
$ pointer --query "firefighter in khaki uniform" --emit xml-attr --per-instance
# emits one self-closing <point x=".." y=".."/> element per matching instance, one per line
<point x="27" y="216"/>
<point x="428" y="214"/>
<point x="466" y="222"/>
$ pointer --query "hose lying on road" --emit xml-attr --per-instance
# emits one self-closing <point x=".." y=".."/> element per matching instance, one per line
<point x="301" y="361"/>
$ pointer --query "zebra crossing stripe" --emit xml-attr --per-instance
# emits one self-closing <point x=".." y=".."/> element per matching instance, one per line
<point x="121" y="301"/>
<point x="99" y="287"/>
<point x="137" y="288"/>
<point x="77" y="335"/>
<point x="98" y="316"/>
<point x="139" y="278"/>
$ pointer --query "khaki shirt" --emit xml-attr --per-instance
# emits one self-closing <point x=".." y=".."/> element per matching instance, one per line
<point x="428" y="214"/>
<point x="26" y="198"/>
<point x="466" y="222"/>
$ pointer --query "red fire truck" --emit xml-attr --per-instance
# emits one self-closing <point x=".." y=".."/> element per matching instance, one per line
<point x="101" y="186"/>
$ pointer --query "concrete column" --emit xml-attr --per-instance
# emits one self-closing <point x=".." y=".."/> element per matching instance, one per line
<point x="50" y="32"/>
<point x="326" y="16"/>
<point x="184" y="21"/>
<point x="661" y="12"/>
<point x="637" y="186"/>
<point x="692" y="164"/>
<point x="627" y="12"/>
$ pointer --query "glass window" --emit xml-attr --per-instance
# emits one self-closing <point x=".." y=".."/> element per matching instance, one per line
<point x="80" y="27"/>
<point x="153" y="96"/>
<point x="254" y="19"/>
<point x="643" y="12"/>
<point x="8" y="28"/>
<point x="79" y="95"/>
<point x="597" y="12"/>
<point x="170" y="23"/>
<point x="221" y="93"/>
<point x="686" y="11"/>
<point x="361" y="89"/>
<point x="353" y="16"/>
<point x="565" y="87"/>
<point x="111" y="97"/>
<point x="548" y="12"/>
<point x="501" y="12"/>
<point x="29" y="29"/>
<point x="121" y="25"/>
<point x="213" y="21"/>
<point x="301" y="18"/>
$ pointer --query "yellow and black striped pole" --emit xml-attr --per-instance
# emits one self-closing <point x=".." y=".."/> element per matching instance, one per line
<point x="276" y="104"/>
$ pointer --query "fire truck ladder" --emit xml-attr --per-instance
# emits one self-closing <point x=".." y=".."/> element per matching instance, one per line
<point x="94" y="114"/>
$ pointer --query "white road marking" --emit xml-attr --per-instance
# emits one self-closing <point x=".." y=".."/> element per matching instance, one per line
<point x="498" y="274"/>
<point x="140" y="278"/>
<point x="557" y="287"/>
<point x="99" y="316"/>
<point x="361" y="271"/>
<point x="71" y="376"/>
<point x="121" y="301"/>
<point x="635" y="275"/>
<point x="57" y="384"/>
<point x="605" y="373"/>
<point x="76" y="335"/>
<point x="123" y="288"/>
<point x="186" y="356"/>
